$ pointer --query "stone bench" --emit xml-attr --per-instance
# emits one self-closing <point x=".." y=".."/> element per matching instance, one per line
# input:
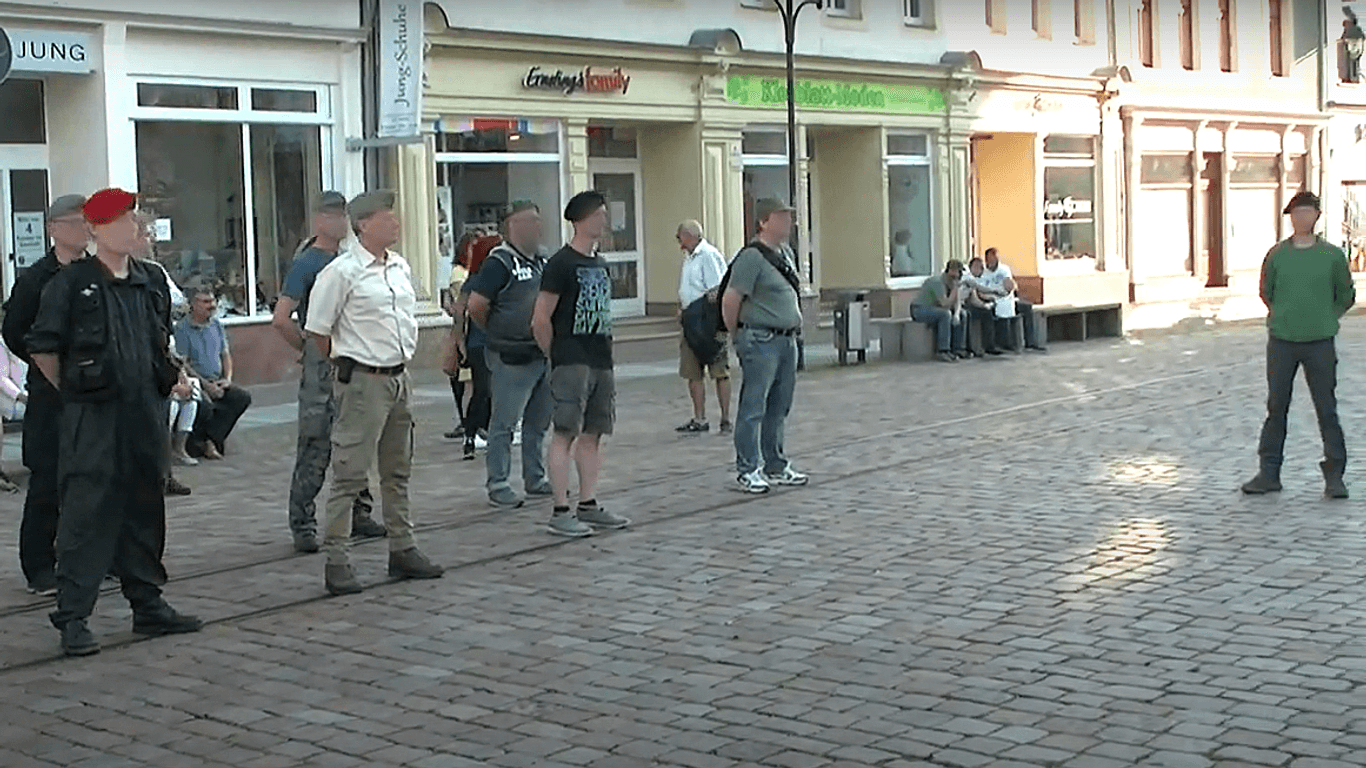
<point x="902" y="338"/>
<point x="1079" y="322"/>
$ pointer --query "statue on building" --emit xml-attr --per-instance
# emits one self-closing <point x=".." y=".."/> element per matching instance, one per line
<point x="1353" y="45"/>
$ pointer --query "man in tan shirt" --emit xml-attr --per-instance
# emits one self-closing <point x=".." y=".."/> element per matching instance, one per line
<point x="362" y="314"/>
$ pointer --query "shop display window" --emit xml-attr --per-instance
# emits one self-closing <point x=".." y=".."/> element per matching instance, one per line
<point x="1069" y="180"/>
<point x="483" y="164"/>
<point x="199" y="177"/>
<point x="910" y="207"/>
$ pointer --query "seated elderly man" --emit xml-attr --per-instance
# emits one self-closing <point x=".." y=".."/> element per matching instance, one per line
<point x="201" y="340"/>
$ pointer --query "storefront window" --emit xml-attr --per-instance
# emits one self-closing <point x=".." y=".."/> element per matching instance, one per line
<point x="1354" y="224"/>
<point x="286" y="174"/>
<point x="500" y="161"/>
<point x="1254" y="169"/>
<point x="1069" y="180"/>
<point x="190" y="178"/>
<point x="616" y="142"/>
<point x="1166" y="169"/>
<point x="910" y="214"/>
<point x="21" y="102"/>
<point x="198" y="180"/>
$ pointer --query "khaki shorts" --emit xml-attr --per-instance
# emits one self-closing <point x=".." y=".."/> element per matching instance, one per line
<point x="690" y="368"/>
<point x="585" y="399"/>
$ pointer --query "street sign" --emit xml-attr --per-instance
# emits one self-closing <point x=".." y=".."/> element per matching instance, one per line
<point x="6" y="55"/>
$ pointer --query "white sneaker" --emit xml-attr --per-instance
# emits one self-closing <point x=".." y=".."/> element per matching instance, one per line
<point x="517" y="433"/>
<point x="480" y="443"/>
<point x="753" y="482"/>
<point x="788" y="476"/>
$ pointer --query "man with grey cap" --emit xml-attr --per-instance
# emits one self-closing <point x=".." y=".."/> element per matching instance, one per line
<point x="759" y="304"/>
<point x="317" y="408"/>
<point x="362" y="315"/>
<point x="38" y="531"/>
<point x="502" y="296"/>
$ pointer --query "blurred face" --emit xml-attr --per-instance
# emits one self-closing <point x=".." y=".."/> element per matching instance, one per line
<point x="524" y="229"/>
<point x="975" y="268"/>
<point x="204" y="306"/>
<point x="595" y="226"/>
<point x="121" y="237"/>
<point x="954" y="274"/>
<point x="382" y="229"/>
<point x="687" y="240"/>
<point x="1303" y="218"/>
<point x="69" y="232"/>
<point x="778" y="225"/>
<point x="330" y="224"/>
<point x="992" y="260"/>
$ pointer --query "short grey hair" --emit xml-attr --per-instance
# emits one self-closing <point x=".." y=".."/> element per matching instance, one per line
<point x="692" y="227"/>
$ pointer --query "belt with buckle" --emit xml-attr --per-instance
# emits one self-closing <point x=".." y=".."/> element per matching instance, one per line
<point x="392" y="370"/>
<point x="774" y="331"/>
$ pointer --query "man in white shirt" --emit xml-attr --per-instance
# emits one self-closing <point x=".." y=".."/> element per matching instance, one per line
<point x="703" y="269"/>
<point x="362" y="315"/>
<point x="998" y="281"/>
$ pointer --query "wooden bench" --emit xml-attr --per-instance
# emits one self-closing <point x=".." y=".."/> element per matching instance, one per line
<point x="1079" y="322"/>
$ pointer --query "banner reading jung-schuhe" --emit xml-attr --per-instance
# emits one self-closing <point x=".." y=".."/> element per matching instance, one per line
<point x="400" y="68"/>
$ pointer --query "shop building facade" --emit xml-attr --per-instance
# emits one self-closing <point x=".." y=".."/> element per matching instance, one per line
<point x="225" y="119"/>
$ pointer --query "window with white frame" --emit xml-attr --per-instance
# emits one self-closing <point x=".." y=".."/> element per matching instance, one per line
<point x="916" y="12"/>
<point x="1069" y="190"/>
<point x="910" y="205"/>
<point x="763" y="155"/>
<point x="482" y="164"/>
<point x="228" y="171"/>
<point x="845" y="9"/>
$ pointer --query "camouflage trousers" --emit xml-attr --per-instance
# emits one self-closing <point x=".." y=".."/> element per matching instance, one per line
<point x="317" y="412"/>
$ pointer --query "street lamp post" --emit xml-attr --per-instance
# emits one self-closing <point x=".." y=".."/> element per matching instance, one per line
<point x="790" y="9"/>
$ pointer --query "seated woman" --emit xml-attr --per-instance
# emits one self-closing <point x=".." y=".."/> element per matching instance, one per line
<point x="13" y="397"/>
<point x="184" y="402"/>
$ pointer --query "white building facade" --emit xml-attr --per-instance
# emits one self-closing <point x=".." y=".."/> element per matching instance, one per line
<point x="225" y="118"/>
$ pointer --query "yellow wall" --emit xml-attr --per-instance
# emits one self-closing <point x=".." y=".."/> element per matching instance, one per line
<point x="1007" y="212"/>
<point x="671" y="179"/>
<point x="852" y="191"/>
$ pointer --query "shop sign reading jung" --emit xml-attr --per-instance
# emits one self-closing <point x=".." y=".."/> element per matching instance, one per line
<point x="400" y="68"/>
<point x="836" y="95"/>
<point x="41" y="50"/>
<point x="586" y="80"/>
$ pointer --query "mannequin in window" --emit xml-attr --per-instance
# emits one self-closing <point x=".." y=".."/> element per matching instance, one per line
<point x="902" y="263"/>
<point x="1353" y="45"/>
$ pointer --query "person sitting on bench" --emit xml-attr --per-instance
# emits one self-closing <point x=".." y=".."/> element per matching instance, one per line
<point x="998" y="282"/>
<point x="940" y="306"/>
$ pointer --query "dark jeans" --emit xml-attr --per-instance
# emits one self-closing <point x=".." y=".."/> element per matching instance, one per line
<point x="480" y="407"/>
<point x="1320" y="362"/>
<point x="217" y="419"/>
<point x="1026" y="312"/>
<point x="948" y="335"/>
<point x="992" y="330"/>
<point x="38" y="529"/>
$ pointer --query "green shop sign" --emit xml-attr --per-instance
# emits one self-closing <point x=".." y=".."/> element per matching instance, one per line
<point x="836" y="95"/>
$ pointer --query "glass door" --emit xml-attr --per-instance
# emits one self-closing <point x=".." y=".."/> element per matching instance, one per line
<point x="23" y="204"/>
<point x="619" y="182"/>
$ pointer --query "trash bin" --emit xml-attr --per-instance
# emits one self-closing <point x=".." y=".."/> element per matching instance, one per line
<point x="852" y="323"/>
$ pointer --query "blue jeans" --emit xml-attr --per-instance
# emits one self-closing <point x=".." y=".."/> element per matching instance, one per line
<point x="948" y="335"/>
<point x="519" y="392"/>
<point x="769" y="362"/>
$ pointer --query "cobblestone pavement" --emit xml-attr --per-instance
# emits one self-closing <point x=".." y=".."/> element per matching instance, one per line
<point x="1038" y="561"/>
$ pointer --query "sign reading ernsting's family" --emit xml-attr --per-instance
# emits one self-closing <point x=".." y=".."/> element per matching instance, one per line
<point x="586" y="80"/>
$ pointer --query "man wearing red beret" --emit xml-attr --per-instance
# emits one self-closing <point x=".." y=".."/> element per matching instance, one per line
<point x="102" y="339"/>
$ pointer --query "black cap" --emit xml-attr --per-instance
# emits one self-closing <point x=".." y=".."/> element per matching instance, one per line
<point x="583" y="205"/>
<point x="1303" y="199"/>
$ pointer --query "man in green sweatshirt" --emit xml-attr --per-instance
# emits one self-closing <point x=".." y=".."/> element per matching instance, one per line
<point x="1306" y="287"/>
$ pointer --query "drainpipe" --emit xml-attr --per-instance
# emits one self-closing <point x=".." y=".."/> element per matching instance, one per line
<point x="1111" y="31"/>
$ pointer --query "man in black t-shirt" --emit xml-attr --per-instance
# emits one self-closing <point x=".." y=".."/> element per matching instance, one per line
<point x="572" y="323"/>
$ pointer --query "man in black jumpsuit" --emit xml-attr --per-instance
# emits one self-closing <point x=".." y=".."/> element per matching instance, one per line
<point x="101" y="338"/>
<point x="70" y="235"/>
